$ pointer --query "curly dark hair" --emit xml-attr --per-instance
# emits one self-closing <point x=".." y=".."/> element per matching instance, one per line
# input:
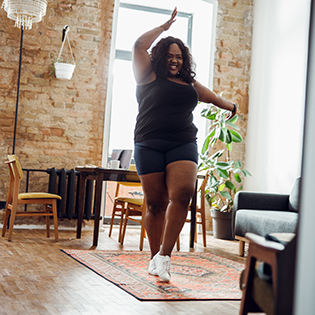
<point x="159" y="59"/>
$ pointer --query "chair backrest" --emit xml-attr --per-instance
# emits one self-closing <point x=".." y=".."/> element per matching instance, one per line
<point x="16" y="174"/>
<point x="18" y="165"/>
<point x="132" y="167"/>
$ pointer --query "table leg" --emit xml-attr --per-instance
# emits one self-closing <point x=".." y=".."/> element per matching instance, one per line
<point x="80" y="203"/>
<point x="193" y="217"/>
<point x="97" y="208"/>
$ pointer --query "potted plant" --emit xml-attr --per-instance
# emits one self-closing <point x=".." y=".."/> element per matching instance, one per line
<point x="63" y="68"/>
<point x="225" y="175"/>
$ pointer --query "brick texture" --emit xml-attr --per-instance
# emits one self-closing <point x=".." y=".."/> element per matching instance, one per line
<point x="232" y="59"/>
<point x="60" y="122"/>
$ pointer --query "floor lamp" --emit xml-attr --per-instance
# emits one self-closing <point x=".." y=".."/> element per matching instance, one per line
<point x="24" y="13"/>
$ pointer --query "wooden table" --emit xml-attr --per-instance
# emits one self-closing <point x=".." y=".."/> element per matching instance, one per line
<point x="99" y="175"/>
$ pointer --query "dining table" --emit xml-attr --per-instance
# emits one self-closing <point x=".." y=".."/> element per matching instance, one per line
<point x="99" y="175"/>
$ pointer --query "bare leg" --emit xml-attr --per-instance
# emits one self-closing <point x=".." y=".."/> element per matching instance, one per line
<point x="180" y="180"/>
<point x="156" y="196"/>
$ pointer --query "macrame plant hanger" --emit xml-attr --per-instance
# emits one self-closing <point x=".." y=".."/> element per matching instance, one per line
<point x="64" y="70"/>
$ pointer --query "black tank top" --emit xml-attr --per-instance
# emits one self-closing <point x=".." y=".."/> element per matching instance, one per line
<point x="165" y="111"/>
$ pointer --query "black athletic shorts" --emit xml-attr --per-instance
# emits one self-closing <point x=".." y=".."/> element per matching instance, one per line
<point x="152" y="156"/>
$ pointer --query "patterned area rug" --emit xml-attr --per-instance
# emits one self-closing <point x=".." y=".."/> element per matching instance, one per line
<point x="195" y="276"/>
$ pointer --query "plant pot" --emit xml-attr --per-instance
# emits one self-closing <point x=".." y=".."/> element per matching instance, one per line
<point x="222" y="224"/>
<point x="64" y="71"/>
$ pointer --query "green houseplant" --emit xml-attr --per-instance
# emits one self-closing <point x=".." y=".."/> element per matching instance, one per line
<point x="225" y="175"/>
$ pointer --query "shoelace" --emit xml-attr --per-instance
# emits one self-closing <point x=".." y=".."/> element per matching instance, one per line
<point x="167" y="264"/>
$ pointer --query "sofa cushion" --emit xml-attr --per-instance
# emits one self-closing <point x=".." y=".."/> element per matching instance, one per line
<point x="264" y="222"/>
<point x="294" y="196"/>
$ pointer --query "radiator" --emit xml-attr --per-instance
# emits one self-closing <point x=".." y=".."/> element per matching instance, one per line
<point x="65" y="183"/>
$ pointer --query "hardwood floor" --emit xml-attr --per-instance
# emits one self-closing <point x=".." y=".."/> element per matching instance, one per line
<point x="37" y="278"/>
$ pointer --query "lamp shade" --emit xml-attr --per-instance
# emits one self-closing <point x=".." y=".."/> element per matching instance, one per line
<point x="25" y="12"/>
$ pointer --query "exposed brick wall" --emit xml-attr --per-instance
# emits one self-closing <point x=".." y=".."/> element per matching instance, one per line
<point x="233" y="58"/>
<point x="60" y="122"/>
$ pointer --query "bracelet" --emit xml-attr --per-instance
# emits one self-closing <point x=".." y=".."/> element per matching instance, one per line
<point x="234" y="109"/>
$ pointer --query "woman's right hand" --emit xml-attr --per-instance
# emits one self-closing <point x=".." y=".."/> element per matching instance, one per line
<point x="168" y="24"/>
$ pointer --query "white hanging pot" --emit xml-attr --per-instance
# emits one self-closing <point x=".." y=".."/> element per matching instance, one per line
<point x="64" y="71"/>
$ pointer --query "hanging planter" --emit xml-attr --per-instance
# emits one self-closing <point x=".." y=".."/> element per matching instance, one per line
<point x="64" y="70"/>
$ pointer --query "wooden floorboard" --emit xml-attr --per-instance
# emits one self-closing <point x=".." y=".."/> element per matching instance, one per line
<point x="37" y="278"/>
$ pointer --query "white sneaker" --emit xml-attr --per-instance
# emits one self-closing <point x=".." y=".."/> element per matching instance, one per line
<point x="152" y="268"/>
<point x="163" y="266"/>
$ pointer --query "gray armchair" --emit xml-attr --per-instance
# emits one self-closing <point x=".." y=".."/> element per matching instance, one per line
<point x="264" y="213"/>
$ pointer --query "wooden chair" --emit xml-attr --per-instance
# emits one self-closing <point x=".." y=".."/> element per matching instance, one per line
<point x="120" y="204"/>
<point x="200" y="213"/>
<point x="273" y="298"/>
<point x="135" y="211"/>
<point x="15" y="198"/>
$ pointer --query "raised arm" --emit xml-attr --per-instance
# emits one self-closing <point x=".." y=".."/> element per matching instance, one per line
<point x="207" y="96"/>
<point x="141" y="60"/>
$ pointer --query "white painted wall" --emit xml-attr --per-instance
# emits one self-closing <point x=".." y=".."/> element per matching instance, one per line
<point x="277" y="94"/>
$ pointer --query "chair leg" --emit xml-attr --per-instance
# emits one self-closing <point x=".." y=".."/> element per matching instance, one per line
<point x="5" y="220"/>
<point x="12" y="219"/>
<point x="55" y="216"/>
<point x="204" y="230"/>
<point x="122" y="217"/>
<point x="141" y="237"/>
<point x="112" y="222"/>
<point x="47" y="221"/>
<point x="246" y="301"/>
<point x="241" y="248"/>
<point x="122" y="237"/>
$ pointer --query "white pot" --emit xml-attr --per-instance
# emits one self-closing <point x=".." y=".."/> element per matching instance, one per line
<point x="64" y="70"/>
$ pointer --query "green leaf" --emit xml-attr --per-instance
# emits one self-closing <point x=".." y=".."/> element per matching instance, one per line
<point x="230" y="146"/>
<point x="226" y="195"/>
<point x="223" y="173"/>
<point x="205" y="145"/>
<point x="236" y="137"/>
<point x="223" y="165"/>
<point x="238" y="164"/>
<point x="221" y="187"/>
<point x="233" y="120"/>
<point x="229" y="136"/>
<point x="231" y="125"/>
<point x="211" y="117"/>
<point x="229" y="185"/>
<point x="246" y="172"/>
<point x="204" y="112"/>
<point x="217" y="154"/>
<point x="238" y="178"/>
<point x="212" y="132"/>
<point x="213" y="182"/>
<point x="222" y="135"/>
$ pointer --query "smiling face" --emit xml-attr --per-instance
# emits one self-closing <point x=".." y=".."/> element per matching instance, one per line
<point x="174" y="60"/>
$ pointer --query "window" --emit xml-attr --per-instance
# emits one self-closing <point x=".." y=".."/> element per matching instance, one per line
<point x="194" y="25"/>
